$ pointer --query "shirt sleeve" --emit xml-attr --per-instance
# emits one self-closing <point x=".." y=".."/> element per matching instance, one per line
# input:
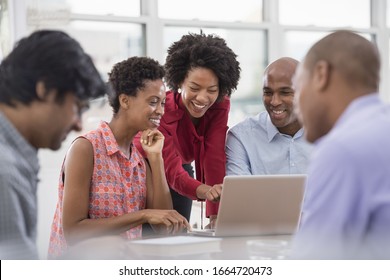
<point x="237" y="160"/>
<point x="15" y="242"/>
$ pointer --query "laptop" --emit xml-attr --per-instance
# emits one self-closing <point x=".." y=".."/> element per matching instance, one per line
<point x="258" y="205"/>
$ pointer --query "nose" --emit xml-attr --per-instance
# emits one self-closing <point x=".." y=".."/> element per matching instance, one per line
<point x="78" y="124"/>
<point x="160" y="109"/>
<point x="202" y="96"/>
<point x="275" y="100"/>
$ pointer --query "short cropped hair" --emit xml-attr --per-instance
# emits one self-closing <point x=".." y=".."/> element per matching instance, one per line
<point x="51" y="57"/>
<point x="129" y="76"/>
<point x="207" y="51"/>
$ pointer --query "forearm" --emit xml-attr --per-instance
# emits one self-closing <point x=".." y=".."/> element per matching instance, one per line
<point x="89" y="228"/>
<point x="161" y="196"/>
<point x="202" y="190"/>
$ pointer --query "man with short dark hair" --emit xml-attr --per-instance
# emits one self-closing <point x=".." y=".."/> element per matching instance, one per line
<point x="45" y="84"/>
<point x="271" y="142"/>
<point x="346" y="210"/>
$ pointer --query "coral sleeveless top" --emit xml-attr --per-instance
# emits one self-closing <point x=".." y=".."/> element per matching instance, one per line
<point x="118" y="186"/>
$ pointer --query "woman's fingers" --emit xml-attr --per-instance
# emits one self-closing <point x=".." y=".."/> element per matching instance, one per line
<point x="149" y="137"/>
<point x="171" y="220"/>
<point x="214" y="193"/>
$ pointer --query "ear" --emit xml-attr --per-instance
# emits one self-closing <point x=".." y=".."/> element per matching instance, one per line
<point x="41" y="90"/>
<point x="125" y="101"/>
<point x="43" y="93"/>
<point x="321" y="74"/>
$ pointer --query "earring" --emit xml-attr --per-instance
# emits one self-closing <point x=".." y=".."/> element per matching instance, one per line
<point x="179" y="90"/>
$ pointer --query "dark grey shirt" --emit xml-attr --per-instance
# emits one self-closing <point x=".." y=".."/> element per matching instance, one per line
<point x="19" y="168"/>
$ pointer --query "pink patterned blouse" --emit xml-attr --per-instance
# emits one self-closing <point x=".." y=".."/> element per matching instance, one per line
<point x="118" y="186"/>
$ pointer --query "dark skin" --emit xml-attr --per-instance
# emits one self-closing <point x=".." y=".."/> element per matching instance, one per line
<point x="143" y="114"/>
<point x="278" y="95"/>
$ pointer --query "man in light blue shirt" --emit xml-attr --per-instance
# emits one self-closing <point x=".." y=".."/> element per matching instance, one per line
<point x="271" y="142"/>
<point x="346" y="209"/>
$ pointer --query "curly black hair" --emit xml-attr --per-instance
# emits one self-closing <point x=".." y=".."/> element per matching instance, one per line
<point x="207" y="51"/>
<point x="129" y="76"/>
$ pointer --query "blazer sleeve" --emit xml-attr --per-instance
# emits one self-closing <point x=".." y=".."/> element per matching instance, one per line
<point x="214" y="160"/>
<point x="177" y="178"/>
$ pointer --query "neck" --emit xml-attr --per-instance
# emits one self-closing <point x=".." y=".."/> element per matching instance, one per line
<point x="123" y="134"/>
<point x="290" y="129"/>
<point x="23" y="119"/>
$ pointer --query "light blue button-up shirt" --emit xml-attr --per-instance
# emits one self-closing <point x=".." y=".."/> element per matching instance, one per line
<point x="255" y="146"/>
<point x="346" y="209"/>
<point x="19" y="169"/>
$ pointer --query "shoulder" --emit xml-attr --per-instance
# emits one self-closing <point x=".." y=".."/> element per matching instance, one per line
<point x="81" y="149"/>
<point x="248" y="124"/>
<point x="94" y="134"/>
<point x="12" y="162"/>
<point x="224" y="104"/>
<point x="218" y="112"/>
<point x="170" y="102"/>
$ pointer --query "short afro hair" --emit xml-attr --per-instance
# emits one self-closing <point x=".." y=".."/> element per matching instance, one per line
<point x="129" y="76"/>
<point x="207" y="51"/>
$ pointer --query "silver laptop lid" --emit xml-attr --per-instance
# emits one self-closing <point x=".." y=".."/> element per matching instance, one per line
<point x="260" y="204"/>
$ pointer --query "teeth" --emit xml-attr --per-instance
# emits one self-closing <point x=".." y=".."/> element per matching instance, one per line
<point x="199" y="106"/>
<point x="277" y="112"/>
<point x="155" y="121"/>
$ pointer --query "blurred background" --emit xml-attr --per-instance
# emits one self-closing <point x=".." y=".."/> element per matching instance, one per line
<point x="258" y="31"/>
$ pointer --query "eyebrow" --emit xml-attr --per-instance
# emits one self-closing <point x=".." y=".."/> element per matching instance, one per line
<point x="200" y="85"/>
<point x="156" y="96"/>
<point x="288" y="88"/>
<point x="281" y="88"/>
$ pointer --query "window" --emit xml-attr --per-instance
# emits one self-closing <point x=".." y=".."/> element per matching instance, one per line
<point x="331" y="13"/>
<point x="89" y="7"/>
<point x="215" y="10"/>
<point x="5" y="40"/>
<point x="108" y="42"/>
<point x="297" y="43"/>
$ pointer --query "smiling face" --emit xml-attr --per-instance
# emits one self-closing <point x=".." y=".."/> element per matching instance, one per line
<point x="278" y="96"/>
<point x="199" y="91"/>
<point x="147" y="107"/>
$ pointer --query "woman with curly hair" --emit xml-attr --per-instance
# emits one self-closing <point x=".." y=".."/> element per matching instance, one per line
<point x="106" y="187"/>
<point x="201" y="71"/>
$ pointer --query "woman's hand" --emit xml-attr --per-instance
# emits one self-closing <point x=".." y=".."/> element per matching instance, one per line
<point x="152" y="141"/>
<point x="166" y="221"/>
<point x="213" y="221"/>
<point x="209" y="193"/>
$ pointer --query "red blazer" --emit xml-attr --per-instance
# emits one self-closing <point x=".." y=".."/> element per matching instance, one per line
<point x="184" y="143"/>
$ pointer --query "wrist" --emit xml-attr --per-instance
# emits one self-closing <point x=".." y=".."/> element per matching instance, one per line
<point x="144" y="216"/>
<point x="154" y="156"/>
<point x="201" y="191"/>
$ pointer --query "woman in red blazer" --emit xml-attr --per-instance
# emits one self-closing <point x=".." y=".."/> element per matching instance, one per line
<point x="201" y="71"/>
